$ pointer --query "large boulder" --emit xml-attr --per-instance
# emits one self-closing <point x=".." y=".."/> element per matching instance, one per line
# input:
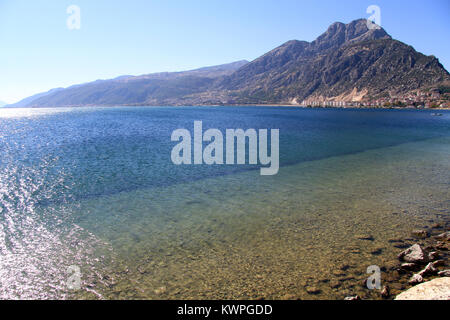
<point x="437" y="289"/>
<point x="414" y="254"/>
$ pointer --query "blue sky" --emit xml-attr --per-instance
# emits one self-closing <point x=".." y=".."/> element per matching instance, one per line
<point x="38" y="52"/>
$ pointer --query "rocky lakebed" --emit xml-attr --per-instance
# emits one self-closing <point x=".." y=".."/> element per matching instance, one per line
<point x="419" y="272"/>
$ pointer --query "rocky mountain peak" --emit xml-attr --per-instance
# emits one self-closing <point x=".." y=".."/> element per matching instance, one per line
<point x="339" y="34"/>
<point x="348" y="62"/>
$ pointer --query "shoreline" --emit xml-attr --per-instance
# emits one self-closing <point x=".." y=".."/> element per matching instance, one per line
<point x="237" y="105"/>
<point x="423" y="257"/>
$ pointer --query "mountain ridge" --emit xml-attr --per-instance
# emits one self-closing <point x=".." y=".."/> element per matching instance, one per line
<point x="348" y="62"/>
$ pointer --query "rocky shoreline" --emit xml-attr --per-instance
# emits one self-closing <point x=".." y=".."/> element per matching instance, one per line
<point x="415" y="272"/>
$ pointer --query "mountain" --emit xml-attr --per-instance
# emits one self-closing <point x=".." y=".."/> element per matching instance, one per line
<point x="2" y="104"/>
<point x="29" y="101"/>
<point x="349" y="62"/>
<point x="134" y="90"/>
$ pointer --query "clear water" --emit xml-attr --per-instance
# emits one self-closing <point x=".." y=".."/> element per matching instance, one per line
<point x="95" y="188"/>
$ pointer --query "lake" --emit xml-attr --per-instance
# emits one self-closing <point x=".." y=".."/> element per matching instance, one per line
<point x="95" y="189"/>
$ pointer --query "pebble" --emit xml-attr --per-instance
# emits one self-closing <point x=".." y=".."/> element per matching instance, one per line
<point x="377" y="251"/>
<point x="338" y="273"/>
<point x="421" y="234"/>
<point x="289" y="297"/>
<point x="335" y="284"/>
<point x="344" y="267"/>
<point x="313" y="290"/>
<point x="160" y="290"/>
<point x="365" y="237"/>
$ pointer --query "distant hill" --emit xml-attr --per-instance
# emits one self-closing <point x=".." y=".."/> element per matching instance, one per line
<point x="348" y="62"/>
<point x="29" y="101"/>
<point x="132" y="90"/>
<point x="2" y="104"/>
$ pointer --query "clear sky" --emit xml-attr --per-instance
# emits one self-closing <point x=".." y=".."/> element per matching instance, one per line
<point x="39" y="52"/>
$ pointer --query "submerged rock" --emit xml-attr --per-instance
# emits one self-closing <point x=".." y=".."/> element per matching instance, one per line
<point x="401" y="246"/>
<point x="413" y="254"/>
<point x="160" y="290"/>
<point x="437" y="289"/>
<point x="444" y="236"/>
<point x="313" y="290"/>
<point x="421" y="234"/>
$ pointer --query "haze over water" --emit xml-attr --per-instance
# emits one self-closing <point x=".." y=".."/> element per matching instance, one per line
<point x="95" y="188"/>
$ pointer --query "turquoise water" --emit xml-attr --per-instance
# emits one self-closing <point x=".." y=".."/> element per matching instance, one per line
<point x="95" y="188"/>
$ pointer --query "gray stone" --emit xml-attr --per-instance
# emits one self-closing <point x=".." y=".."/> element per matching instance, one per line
<point x="408" y="266"/>
<point x="444" y="236"/>
<point x="444" y="273"/>
<point x="429" y="269"/>
<point x="413" y="254"/>
<point x="368" y="237"/>
<point x="433" y="256"/>
<point x="385" y="292"/>
<point x="415" y="279"/>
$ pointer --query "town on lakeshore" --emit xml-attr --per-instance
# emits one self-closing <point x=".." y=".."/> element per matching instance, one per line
<point x="419" y="99"/>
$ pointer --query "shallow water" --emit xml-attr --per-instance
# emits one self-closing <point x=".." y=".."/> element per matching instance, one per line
<point x="95" y="188"/>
